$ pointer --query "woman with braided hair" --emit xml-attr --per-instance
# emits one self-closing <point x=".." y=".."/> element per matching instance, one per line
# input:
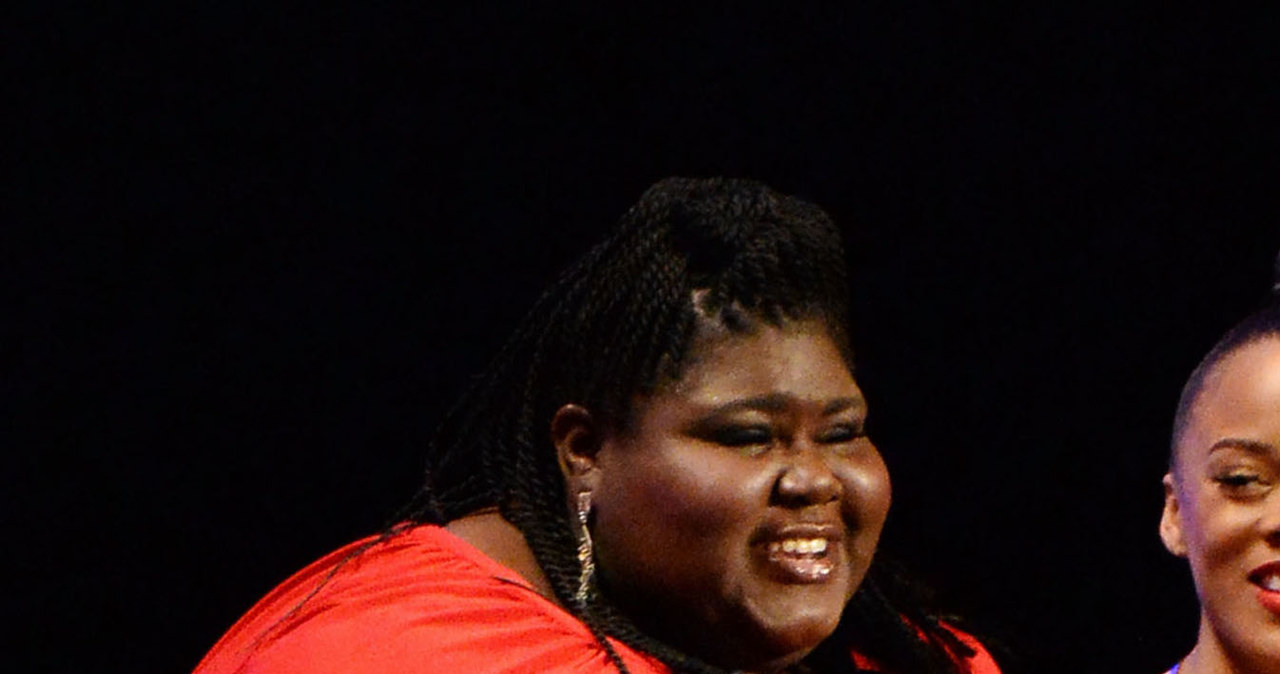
<point x="1222" y="497"/>
<point x="665" y="469"/>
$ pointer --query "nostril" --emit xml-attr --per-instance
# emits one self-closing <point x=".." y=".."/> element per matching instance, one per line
<point x="803" y="483"/>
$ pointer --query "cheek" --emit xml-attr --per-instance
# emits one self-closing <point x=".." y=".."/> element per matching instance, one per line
<point x="686" y="490"/>
<point x="867" y="492"/>
<point x="704" y="507"/>
<point x="1216" y="533"/>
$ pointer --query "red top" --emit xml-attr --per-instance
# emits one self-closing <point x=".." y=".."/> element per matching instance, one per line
<point x="422" y="602"/>
<point x="980" y="662"/>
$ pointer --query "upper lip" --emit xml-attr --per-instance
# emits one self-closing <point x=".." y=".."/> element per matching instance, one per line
<point x="1264" y="570"/>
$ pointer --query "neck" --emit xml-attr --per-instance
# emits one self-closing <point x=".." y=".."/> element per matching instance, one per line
<point x="502" y="542"/>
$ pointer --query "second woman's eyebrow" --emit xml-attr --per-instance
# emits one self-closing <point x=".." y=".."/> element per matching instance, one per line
<point x="1251" y="446"/>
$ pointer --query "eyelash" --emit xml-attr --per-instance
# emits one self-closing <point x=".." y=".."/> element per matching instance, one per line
<point x="844" y="433"/>
<point x="743" y="436"/>
<point x="1241" y="484"/>
<point x="1237" y="479"/>
<point x="748" y="436"/>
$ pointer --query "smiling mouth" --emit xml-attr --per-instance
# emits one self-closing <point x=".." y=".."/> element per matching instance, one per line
<point x="1269" y="581"/>
<point x="802" y="560"/>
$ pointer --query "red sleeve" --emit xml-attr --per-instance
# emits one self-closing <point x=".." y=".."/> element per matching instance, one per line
<point x="422" y="603"/>
<point x="980" y="662"/>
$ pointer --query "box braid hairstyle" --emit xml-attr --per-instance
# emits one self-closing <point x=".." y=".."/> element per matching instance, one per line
<point x="619" y="323"/>
<point x="1262" y="324"/>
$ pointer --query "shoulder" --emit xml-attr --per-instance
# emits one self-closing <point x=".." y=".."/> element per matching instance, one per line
<point x="421" y="601"/>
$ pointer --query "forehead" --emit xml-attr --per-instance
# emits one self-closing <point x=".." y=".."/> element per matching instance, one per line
<point x="1245" y="380"/>
<point x="800" y="358"/>
<point x="1240" y="397"/>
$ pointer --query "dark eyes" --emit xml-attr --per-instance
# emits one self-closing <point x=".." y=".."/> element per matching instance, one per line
<point x="842" y="433"/>
<point x="761" y="436"/>
<point x="742" y="436"/>
<point x="1242" y="484"/>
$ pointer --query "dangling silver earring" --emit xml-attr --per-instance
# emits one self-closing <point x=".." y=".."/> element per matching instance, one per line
<point x="586" y="553"/>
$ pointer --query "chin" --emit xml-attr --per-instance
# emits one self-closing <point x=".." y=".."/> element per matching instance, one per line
<point x="1255" y="640"/>
<point x="776" y="644"/>
<point x="1262" y="646"/>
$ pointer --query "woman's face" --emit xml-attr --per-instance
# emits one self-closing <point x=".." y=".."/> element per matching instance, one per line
<point x="1222" y="506"/>
<point x="739" y="511"/>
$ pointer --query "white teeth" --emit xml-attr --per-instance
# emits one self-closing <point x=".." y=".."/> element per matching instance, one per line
<point x="1271" y="582"/>
<point x="801" y="546"/>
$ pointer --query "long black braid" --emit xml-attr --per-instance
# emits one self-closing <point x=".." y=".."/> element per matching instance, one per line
<point x="619" y="323"/>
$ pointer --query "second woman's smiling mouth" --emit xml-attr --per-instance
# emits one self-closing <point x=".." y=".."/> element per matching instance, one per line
<point x="1267" y="580"/>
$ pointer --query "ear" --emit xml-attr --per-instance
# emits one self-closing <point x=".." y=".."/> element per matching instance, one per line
<point x="577" y="437"/>
<point x="1171" y="520"/>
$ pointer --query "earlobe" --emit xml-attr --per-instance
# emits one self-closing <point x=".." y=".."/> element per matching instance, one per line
<point x="1170" y="519"/>
<point x="576" y="436"/>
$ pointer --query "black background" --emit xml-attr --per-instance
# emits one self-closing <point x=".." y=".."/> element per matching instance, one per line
<point x="268" y="246"/>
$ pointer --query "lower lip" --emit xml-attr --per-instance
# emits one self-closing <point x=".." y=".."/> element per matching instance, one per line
<point x="802" y="569"/>
<point x="1269" y="599"/>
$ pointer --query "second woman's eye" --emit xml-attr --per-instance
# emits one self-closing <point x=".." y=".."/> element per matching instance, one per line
<point x="1242" y="484"/>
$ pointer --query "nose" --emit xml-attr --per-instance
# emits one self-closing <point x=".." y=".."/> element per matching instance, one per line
<point x="806" y="480"/>
<point x="1271" y="521"/>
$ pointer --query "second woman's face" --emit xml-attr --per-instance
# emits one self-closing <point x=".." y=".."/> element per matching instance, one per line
<point x="738" y="512"/>
<point x="1223" y="509"/>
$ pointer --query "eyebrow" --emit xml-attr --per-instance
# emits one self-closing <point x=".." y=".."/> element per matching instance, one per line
<point x="1250" y="446"/>
<point x="776" y="402"/>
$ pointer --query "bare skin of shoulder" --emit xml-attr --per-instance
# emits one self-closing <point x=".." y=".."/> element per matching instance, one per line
<point x="502" y="542"/>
